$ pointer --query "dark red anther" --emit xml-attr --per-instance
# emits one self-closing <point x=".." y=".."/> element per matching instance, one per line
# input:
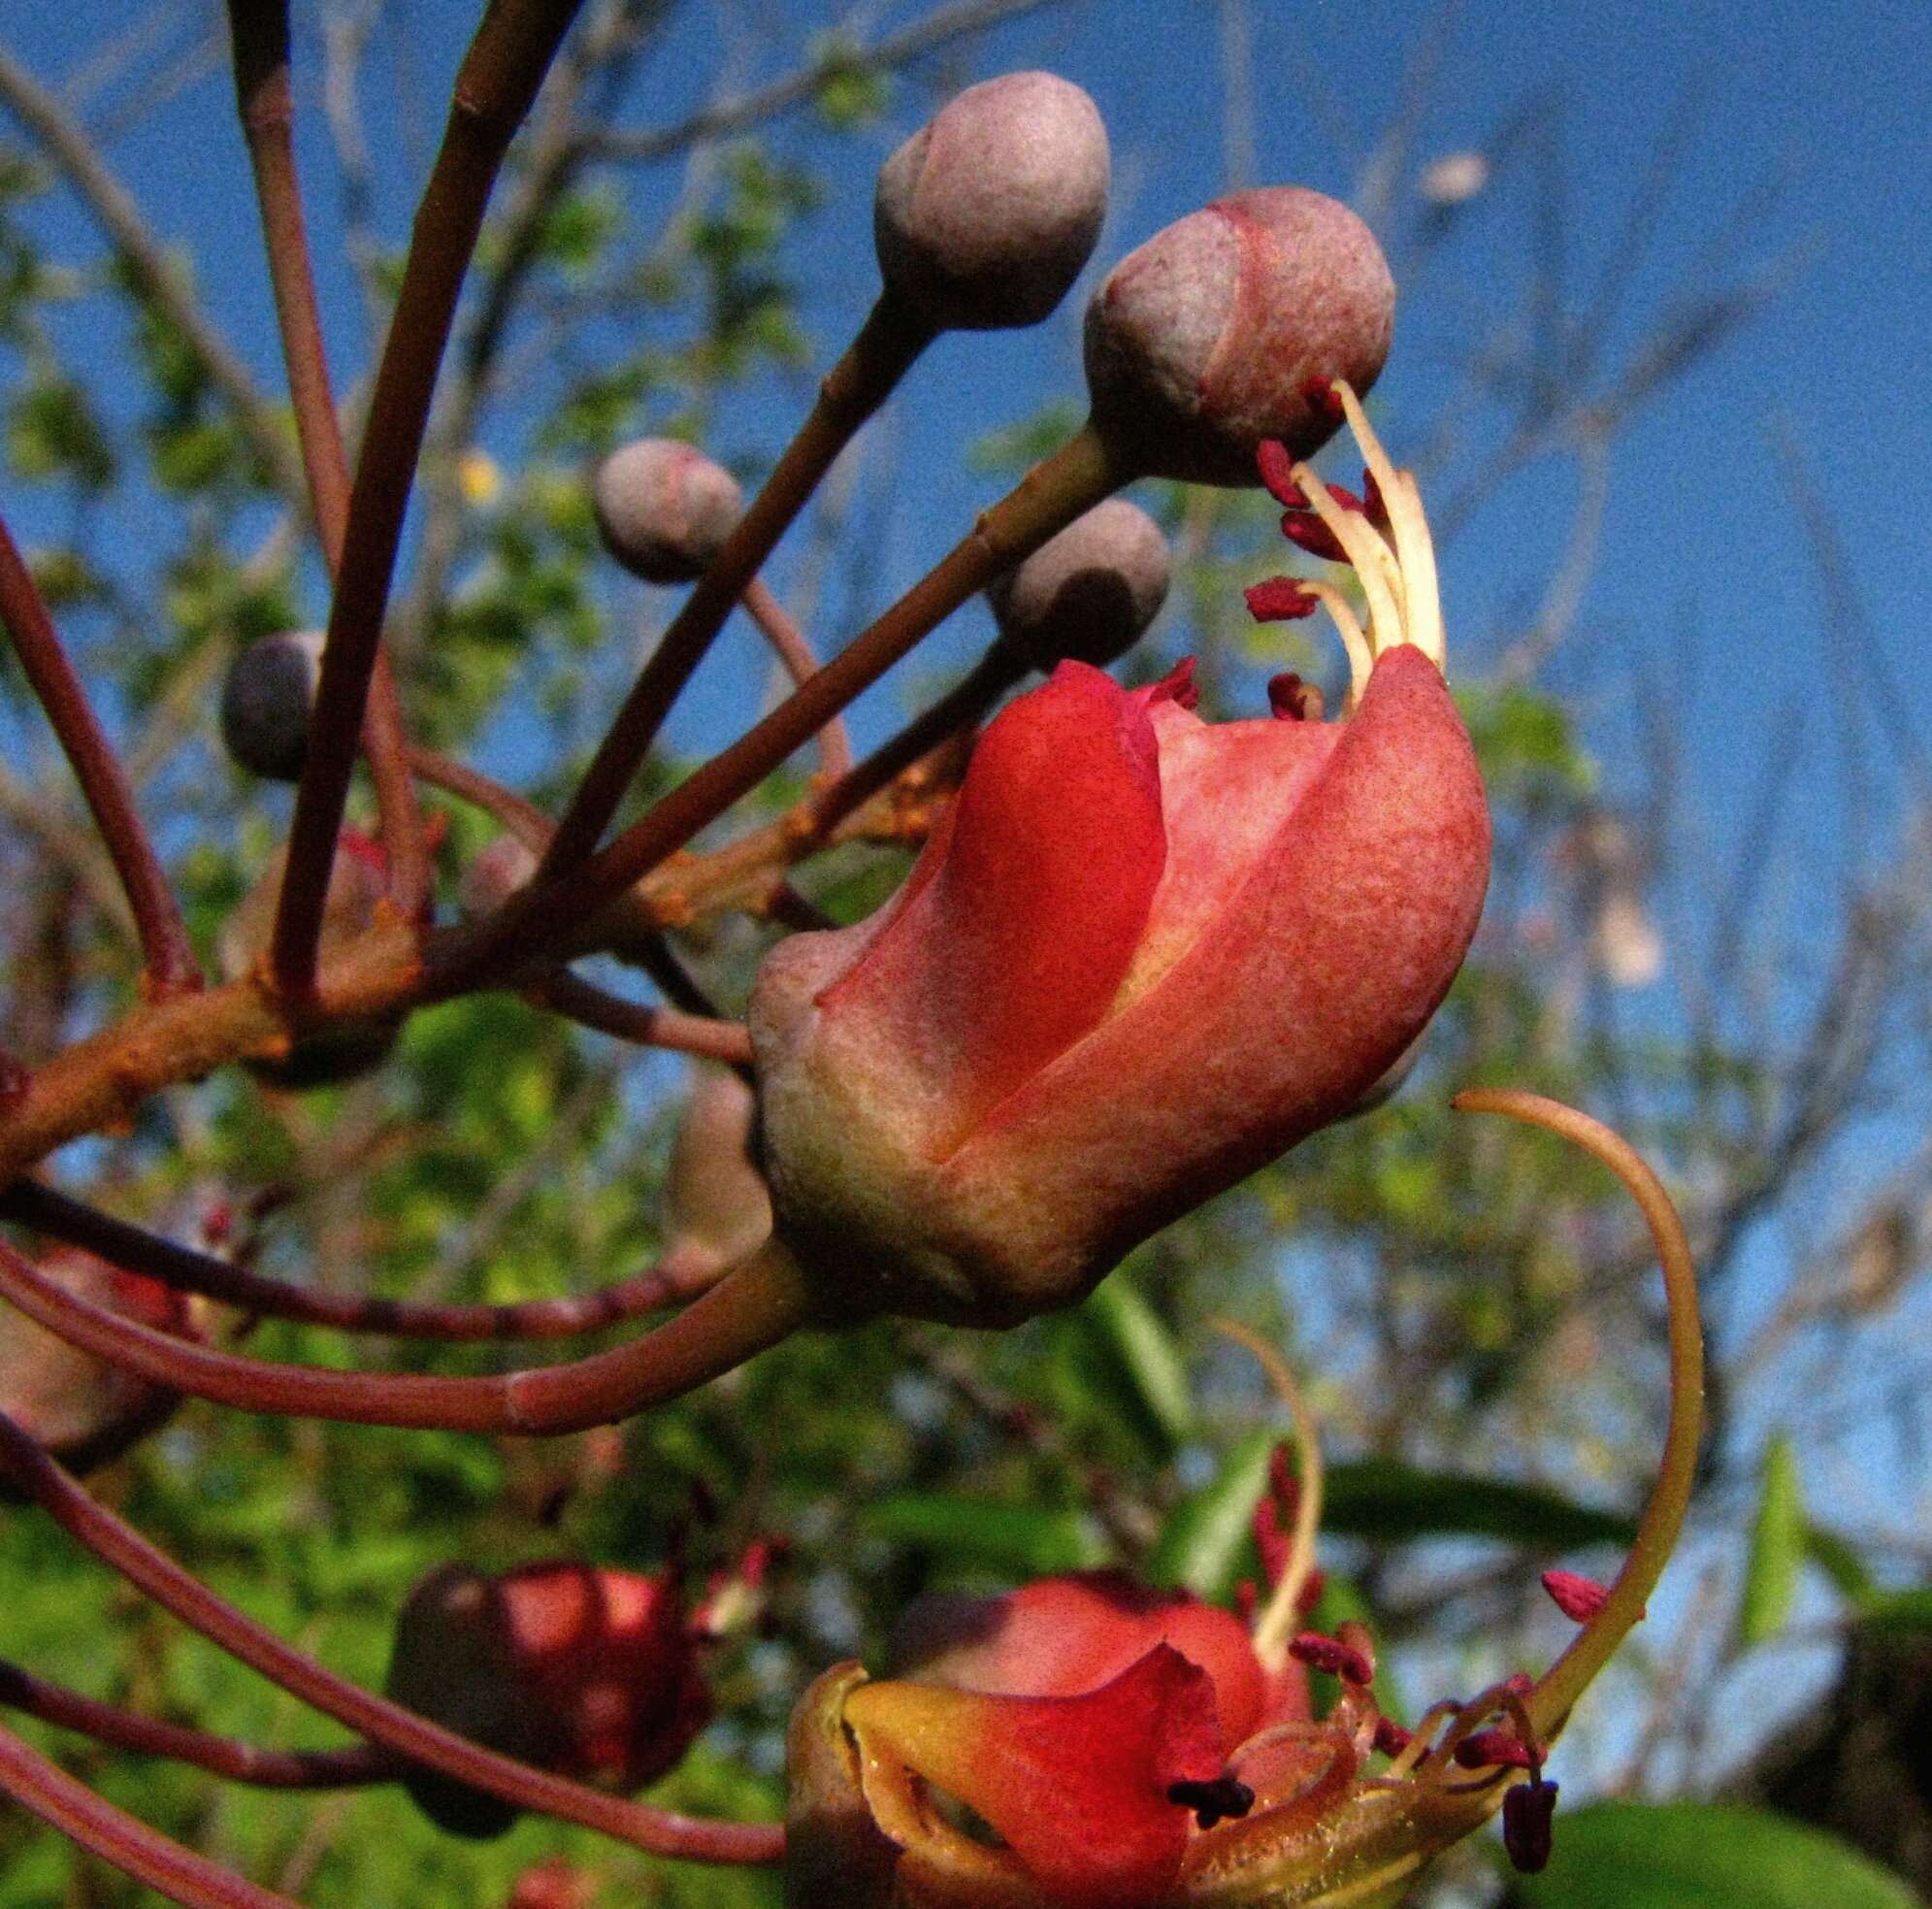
<point x="1375" y="507"/>
<point x="1390" y="1739"/>
<point x="1323" y="397"/>
<point x="1277" y="471"/>
<point x="1307" y="532"/>
<point x="1282" y="1481"/>
<point x="1177" y="685"/>
<point x="1487" y="1748"/>
<point x="1339" y="1660"/>
<point x="1529" y="1815"/>
<point x="1271" y="1541"/>
<point x="1312" y="1587"/>
<point x="218" y="1224"/>
<point x="1293" y="700"/>
<point x="1247" y="1601"/>
<point x="1279" y="599"/>
<point x="1223" y="1798"/>
<point x="1577" y="1596"/>
<point x="1519" y="1683"/>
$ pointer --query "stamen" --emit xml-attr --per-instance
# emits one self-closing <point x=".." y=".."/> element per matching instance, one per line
<point x="1577" y="1596"/>
<point x="1283" y="1603"/>
<point x="1354" y="640"/>
<point x="1277" y="471"/>
<point x="1415" y="549"/>
<point x="1529" y="1812"/>
<point x="1482" y="1748"/>
<point x="1223" y="1798"/>
<point x="1373" y="560"/>
<point x="1339" y="1660"/>
<point x="1178" y="686"/>
<point x="1293" y="700"/>
<point x="1390" y="1739"/>
<point x="1279" y="599"/>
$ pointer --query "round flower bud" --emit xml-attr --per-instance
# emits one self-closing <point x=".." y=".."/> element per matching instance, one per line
<point x="1089" y="592"/>
<point x="494" y="876"/>
<point x="266" y="702"/>
<point x="664" y="509"/>
<point x="591" y="1674"/>
<point x="986" y="215"/>
<point x="1225" y="329"/>
<point x="84" y="1410"/>
<point x="358" y="879"/>
<point x="715" y="1200"/>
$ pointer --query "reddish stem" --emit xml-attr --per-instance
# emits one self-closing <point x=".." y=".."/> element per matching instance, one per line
<point x="494" y="91"/>
<point x="677" y="1277"/>
<point x="788" y="642"/>
<point x="265" y="104"/>
<point x="759" y="1302"/>
<point x="167" y="954"/>
<point x="885" y="348"/>
<point x="521" y="818"/>
<point x="124" y="1840"/>
<point x="118" y="1545"/>
<point x="222" y="1755"/>
<point x="1051" y="495"/>
<point x="577" y="1000"/>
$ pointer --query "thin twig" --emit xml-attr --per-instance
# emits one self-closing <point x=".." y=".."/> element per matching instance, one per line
<point x="791" y="647"/>
<point x="583" y="1001"/>
<point x="500" y="76"/>
<point x="265" y="104"/>
<point x="170" y="965"/>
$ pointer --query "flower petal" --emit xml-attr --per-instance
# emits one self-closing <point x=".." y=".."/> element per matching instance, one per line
<point x="1014" y="943"/>
<point x="1076" y="1785"/>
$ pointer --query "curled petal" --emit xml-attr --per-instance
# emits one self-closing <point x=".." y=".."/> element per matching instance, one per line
<point x="1077" y="1786"/>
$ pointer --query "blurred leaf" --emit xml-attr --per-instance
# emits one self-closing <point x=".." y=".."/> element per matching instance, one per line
<point x="1014" y="1539"/>
<point x="1839" y="1560"/>
<point x="1776" y="1547"/>
<point x="1703" y="1855"/>
<point x="1386" y="1499"/>
<point x="1900" y="1612"/>
<point x="1205" y="1543"/>
<point x="1139" y="1338"/>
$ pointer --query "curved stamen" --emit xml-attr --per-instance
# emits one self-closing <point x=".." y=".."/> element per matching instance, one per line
<point x="1373" y="561"/>
<point x="1354" y="639"/>
<point x="1550" y="1699"/>
<point x="1276" y="1627"/>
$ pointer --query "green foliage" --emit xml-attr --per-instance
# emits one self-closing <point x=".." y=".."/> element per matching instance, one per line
<point x="1702" y="1856"/>
<point x="1778" y="1542"/>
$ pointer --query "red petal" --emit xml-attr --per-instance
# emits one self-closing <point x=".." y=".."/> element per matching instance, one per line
<point x="1076" y="1785"/>
<point x="1014" y="946"/>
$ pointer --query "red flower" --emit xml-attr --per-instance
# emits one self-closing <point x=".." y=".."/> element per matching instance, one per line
<point x="1143" y="956"/>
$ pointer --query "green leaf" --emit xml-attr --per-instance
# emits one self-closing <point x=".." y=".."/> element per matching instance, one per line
<point x="1898" y="1611"/>
<point x="1140" y="1340"/>
<point x="1386" y="1499"/>
<point x="1702" y="1856"/>
<point x="1205" y="1542"/>
<point x="1776" y="1547"/>
<point x="1014" y="1539"/>
<point x="1839" y="1560"/>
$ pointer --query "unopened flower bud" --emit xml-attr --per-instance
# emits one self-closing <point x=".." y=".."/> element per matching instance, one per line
<point x="715" y="1200"/>
<point x="358" y="879"/>
<point x="1087" y="593"/>
<point x="588" y="1673"/>
<point x="84" y="1410"/>
<point x="494" y="876"/>
<point x="986" y="215"/>
<point x="664" y="509"/>
<point x="1226" y="330"/>
<point x="267" y="700"/>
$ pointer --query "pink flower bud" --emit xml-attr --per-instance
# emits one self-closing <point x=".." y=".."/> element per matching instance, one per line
<point x="1087" y="593"/>
<point x="1141" y="956"/>
<point x="986" y="215"/>
<point x="589" y="1673"/>
<point x="664" y="509"/>
<point x="84" y="1410"/>
<point x="1225" y="329"/>
<point x="715" y="1201"/>
<point x="265" y="703"/>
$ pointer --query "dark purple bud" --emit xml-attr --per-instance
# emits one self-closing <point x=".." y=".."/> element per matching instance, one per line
<point x="1529" y="1819"/>
<point x="986" y="215"/>
<point x="266" y="700"/>
<point x="1087" y="593"/>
